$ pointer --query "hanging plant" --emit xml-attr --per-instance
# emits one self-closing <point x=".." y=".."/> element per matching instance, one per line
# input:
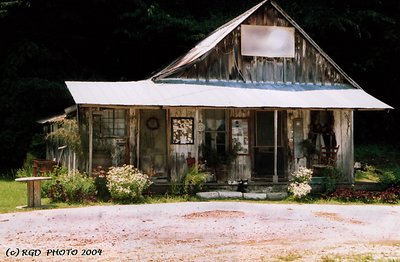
<point x="67" y="134"/>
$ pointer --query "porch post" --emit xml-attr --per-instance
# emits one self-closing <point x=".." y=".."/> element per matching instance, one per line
<point x="196" y="138"/>
<point x="275" y="177"/>
<point x="137" y="132"/>
<point x="90" y="141"/>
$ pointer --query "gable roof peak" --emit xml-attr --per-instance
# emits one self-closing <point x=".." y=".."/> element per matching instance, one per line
<point x="210" y="42"/>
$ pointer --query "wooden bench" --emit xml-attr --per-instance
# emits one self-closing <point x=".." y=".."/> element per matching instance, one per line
<point x="34" y="189"/>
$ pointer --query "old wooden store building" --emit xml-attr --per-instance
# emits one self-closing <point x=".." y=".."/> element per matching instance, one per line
<point x="255" y="100"/>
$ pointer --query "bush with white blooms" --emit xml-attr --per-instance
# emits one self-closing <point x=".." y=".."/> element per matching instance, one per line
<point x="300" y="182"/>
<point x="126" y="183"/>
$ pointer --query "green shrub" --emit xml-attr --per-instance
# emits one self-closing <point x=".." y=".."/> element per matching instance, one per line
<point x="72" y="187"/>
<point x="333" y="176"/>
<point x="127" y="183"/>
<point x="27" y="169"/>
<point x="389" y="178"/>
<point x="193" y="181"/>
<point x="100" y="179"/>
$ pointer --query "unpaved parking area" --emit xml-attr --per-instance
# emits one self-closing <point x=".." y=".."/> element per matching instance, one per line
<point x="203" y="231"/>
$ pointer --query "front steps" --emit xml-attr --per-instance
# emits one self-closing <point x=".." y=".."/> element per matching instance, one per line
<point x="251" y="190"/>
<point x="240" y="195"/>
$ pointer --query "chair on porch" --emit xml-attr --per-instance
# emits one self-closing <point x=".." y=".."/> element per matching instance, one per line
<point x="328" y="156"/>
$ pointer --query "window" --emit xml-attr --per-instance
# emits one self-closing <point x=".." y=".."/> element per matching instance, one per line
<point x="110" y="123"/>
<point x="215" y="130"/>
<point x="321" y="129"/>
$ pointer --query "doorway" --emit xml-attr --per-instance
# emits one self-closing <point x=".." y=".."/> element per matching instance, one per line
<point x="153" y="143"/>
<point x="264" y="146"/>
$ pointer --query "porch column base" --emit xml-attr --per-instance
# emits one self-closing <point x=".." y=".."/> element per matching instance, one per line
<point x="275" y="179"/>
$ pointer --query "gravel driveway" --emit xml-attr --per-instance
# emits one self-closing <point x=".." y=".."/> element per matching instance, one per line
<point x="202" y="231"/>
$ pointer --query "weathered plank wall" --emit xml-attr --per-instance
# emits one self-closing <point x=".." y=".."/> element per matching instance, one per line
<point x="133" y="128"/>
<point x="343" y="128"/>
<point x="177" y="154"/>
<point x="241" y="167"/>
<point x="225" y="61"/>
<point x="294" y="162"/>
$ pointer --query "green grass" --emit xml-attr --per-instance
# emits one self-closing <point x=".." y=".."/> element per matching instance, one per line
<point x="12" y="194"/>
<point x="381" y="162"/>
<point x="366" y="177"/>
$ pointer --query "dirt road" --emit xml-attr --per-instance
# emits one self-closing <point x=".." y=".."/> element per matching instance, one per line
<point x="203" y="231"/>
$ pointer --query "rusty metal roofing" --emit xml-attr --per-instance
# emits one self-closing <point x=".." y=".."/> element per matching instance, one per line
<point x="208" y="43"/>
<point x="222" y="94"/>
<point x="52" y="119"/>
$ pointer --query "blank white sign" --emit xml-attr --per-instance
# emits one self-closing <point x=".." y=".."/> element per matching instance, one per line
<point x="267" y="41"/>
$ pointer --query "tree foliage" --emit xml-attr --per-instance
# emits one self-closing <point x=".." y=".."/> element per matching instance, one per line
<point x="45" y="42"/>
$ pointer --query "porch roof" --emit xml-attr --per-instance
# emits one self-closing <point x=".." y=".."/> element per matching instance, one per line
<point x="177" y="93"/>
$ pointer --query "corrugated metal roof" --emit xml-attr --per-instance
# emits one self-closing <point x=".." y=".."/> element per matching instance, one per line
<point x="52" y="119"/>
<point x="224" y="94"/>
<point x="207" y="44"/>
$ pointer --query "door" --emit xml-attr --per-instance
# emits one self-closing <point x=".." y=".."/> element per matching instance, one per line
<point x="264" y="149"/>
<point x="153" y="143"/>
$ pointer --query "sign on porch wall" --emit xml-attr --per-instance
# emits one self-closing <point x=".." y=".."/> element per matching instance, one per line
<point x="240" y="135"/>
<point x="182" y="132"/>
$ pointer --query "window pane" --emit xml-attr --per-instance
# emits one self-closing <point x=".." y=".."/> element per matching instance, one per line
<point x="215" y="135"/>
<point x="265" y="128"/>
<point x="112" y="123"/>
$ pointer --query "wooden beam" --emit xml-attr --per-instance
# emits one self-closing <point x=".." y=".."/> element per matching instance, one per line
<point x="275" y="178"/>
<point x="90" y="141"/>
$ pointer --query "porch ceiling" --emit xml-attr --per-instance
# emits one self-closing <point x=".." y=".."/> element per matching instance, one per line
<point x="222" y="94"/>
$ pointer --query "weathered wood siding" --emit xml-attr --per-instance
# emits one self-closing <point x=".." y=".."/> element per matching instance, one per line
<point x="295" y="161"/>
<point x="225" y="61"/>
<point x="343" y="128"/>
<point x="133" y="128"/>
<point x="177" y="154"/>
<point x="241" y="167"/>
<point x="344" y="136"/>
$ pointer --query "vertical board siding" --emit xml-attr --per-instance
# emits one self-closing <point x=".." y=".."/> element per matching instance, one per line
<point x="344" y="137"/>
<point x="133" y="135"/>
<point x="240" y="168"/>
<point x="177" y="154"/>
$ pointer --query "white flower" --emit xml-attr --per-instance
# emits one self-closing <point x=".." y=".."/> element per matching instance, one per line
<point x="300" y="180"/>
<point x="299" y="190"/>
<point x="126" y="182"/>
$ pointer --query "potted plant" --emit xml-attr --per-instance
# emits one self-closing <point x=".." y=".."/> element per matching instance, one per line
<point x="219" y="163"/>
